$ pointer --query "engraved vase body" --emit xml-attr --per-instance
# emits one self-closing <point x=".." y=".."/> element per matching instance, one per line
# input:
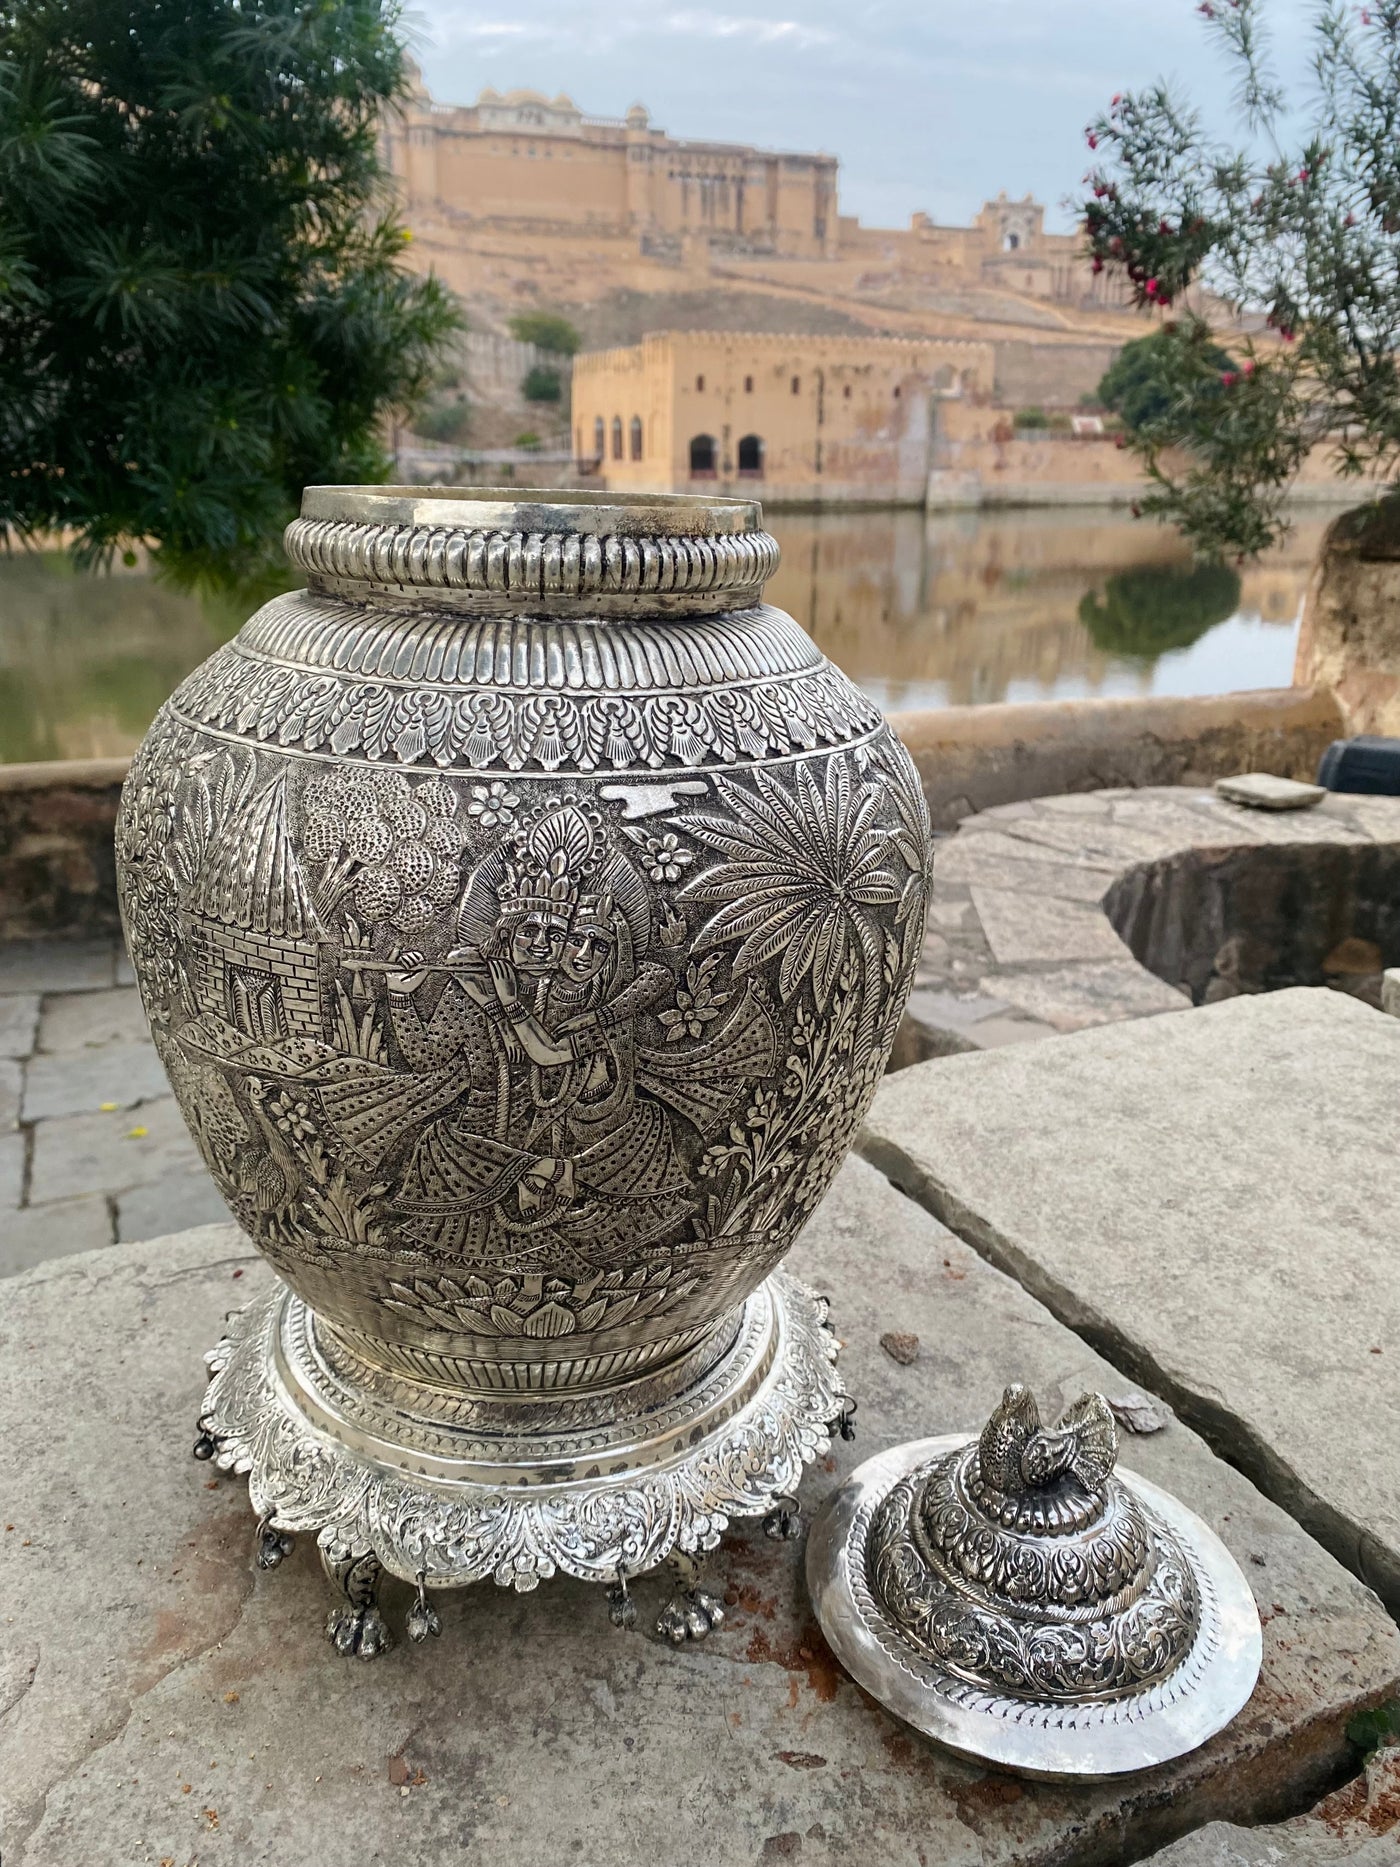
<point x="524" y="912"/>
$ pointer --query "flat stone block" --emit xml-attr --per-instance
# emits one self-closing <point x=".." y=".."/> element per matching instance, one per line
<point x="1390" y="991"/>
<point x="147" y="1654"/>
<point x="1023" y="927"/>
<point x="12" y="1148"/>
<point x="990" y="841"/>
<point x="1214" y="1197"/>
<point x="19" y="1017"/>
<point x="11" y="1088"/>
<point x="56" y="965"/>
<point x="970" y="861"/>
<point x="40" y="1233"/>
<point x="1260" y="790"/>
<point x="105" y="1153"/>
<point x="76" y="1081"/>
<point x="74" y="1020"/>
<point x="1072" y="998"/>
<point x="174" y="1204"/>
<point x="1357" y="1826"/>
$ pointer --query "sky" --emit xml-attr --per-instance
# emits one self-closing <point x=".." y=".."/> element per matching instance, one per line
<point x="931" y="105"/>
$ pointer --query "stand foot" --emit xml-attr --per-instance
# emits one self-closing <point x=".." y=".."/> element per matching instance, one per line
<point x="692" y="1612"/>
<point x="784" y="1522"/>
<point x="355" y="1624"/>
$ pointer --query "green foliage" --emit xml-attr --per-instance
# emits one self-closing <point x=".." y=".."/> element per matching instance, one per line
<point x="1371" y="1730"/>
<point x="1149" y="611"/>
<point x="542" y="385"/>
<point x="1032" y="418"/>
<point x="530" y="441"/>
<point x="1307" y="234"/>
<point x="547" y="331"/>
<point x="1142" y="383"/>
<point x="444" y="421"/>
<point x="203" y="301"/>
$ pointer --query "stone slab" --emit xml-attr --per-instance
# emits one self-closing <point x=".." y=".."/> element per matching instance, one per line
<point x="74" y="1020"/>
<point x="1213" y="1199"/>
<point x="37" y="1234"/>
<point x="1262" y="791"/>
<point x="56" y="965"/>
<point x="1357" y="1826"/>
<point x="114" y="1075"/>
<point x="11" y="1090"/>
<point x="1021" y="926"/>
<point x="106" y="1153"/>
<point x="12" y="1150"/>
<point x="1390" y="991"/>
<point x="19" y="1017"/>
<point x="172" y="1204"/>
<point x="1073" y="998"/>
<point x="968" y="861"/>
<point x="165" y="1703"/>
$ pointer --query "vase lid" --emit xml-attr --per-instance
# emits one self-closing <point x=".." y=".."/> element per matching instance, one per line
<point x="1025" y="1602"/>
<point x="536" y="551"/>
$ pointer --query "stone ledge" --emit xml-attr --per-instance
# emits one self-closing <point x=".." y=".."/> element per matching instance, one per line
<point x="1091" y="907"/>
<point x="165" y="1702"/>
<point x="1212" y="1201"/>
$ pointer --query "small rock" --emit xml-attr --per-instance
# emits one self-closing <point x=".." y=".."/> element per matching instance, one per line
<point x="1137" y="1414"/>
<point x="1260" y="790"/>
<point x="901" y="1348"/>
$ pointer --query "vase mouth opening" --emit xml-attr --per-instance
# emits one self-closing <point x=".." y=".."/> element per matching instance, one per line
<point x="532" y="509"/>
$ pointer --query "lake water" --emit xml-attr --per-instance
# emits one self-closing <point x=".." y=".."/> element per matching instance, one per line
<point x="922" y="611"/>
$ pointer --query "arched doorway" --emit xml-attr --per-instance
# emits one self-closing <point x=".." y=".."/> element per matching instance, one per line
<point x="617" y="437"/>
<point x="751" y="457"/>
<point x="599" y="437"/>
<point x="702" y="457"/>
<point x="636" y="437"/>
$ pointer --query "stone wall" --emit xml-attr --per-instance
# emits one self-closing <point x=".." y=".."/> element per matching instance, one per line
<point x="971" y="758"/>
<point x="1350" y="637"/>
<point x="57" y="867"/>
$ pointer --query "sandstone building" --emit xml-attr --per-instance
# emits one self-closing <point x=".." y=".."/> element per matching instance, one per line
<point x="794" y="419"/>
<point x="523" y="164"/>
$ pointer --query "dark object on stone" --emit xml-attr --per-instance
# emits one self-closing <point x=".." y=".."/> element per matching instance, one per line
<point x="900" y="1347"/>
<point x="1368" y="764"/>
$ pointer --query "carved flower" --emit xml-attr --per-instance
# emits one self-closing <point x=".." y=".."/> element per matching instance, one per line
<point x="665" y="860"/>
<point x="493" y="805"/>
<point x="292" y="1118"/>
<point x="697" y="1002"/>
<point x="801" y="874"/>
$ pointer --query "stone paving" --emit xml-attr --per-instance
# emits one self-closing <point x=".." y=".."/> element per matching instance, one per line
<point x="92" y="1146"/>
<point x="166" y="1702"/>
<point x="1021" y="945"/>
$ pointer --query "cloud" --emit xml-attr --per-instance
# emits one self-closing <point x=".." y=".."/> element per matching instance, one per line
<point x="787" y="32"/>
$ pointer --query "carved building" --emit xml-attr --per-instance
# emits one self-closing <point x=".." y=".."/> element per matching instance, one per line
<point x="253" y="931"/>
<point x="795" y="418"/>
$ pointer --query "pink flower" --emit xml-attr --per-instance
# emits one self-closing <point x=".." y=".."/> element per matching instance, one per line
<point x="1303" y="174"/>
<point x="1117" y="100"/>
<point x="1151" y="288"/>
<point x="1097" y="265"/>
<point x="1227" y="377"/>
<point x="1247" y="367"/>
<point x="1091" y="139"/>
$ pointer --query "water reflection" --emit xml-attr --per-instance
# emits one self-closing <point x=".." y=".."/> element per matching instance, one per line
<point x="960" y="609"/>
<point x="922" y="612"/>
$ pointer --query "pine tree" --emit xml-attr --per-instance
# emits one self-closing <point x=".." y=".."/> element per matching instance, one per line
<point x="203" y="300"/>
<point x="1301" y="237"/>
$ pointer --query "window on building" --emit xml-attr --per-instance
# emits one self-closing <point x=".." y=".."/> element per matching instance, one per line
<point x="846" y="393"/>
<point x="751" y="457"/>
<point x="748" y="385"/>
<point x="797" y="385"/>
<point x="617" y="437"/>
<point x="702" y="457"/>
<point x="700" y="385"/>
<point x="599" y="438"/>
<point x="636" y="437"/>
<point x="1013" y="240"/>
<point x="896" y="392"/>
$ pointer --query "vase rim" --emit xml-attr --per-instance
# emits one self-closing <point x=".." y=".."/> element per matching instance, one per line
<point x="536" y="510"/>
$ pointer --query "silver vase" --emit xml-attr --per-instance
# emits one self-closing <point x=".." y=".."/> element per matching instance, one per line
<point x="524" y="912"/>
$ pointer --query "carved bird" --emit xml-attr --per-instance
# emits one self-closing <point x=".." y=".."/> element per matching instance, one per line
<point x="1015" y="1452"/>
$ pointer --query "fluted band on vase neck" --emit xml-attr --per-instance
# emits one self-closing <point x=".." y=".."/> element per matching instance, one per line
<point x="496" y="550"/>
